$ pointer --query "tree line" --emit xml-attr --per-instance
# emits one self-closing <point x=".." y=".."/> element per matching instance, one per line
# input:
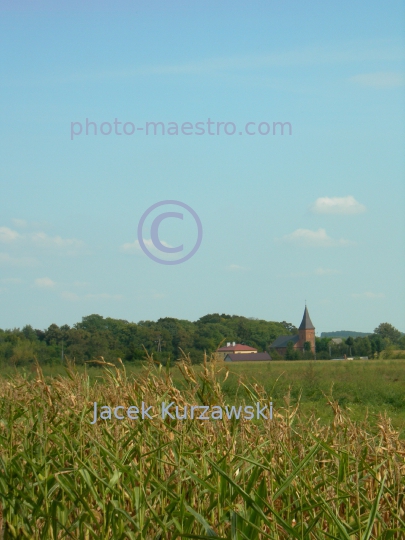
<point x="385" y="336"/>
<point x="111" y="338"/>
<point x="97" y="336"/>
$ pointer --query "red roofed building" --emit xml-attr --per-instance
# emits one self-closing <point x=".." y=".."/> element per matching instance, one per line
<point x="234" y="348"/>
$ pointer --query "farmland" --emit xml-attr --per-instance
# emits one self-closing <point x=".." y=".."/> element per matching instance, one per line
<point x="362" y="388"/>
<point x="301" y="475"/>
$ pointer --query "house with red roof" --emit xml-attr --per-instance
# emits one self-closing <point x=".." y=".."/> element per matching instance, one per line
<point x="234" y="348"/>
<point x="236" y="352"/>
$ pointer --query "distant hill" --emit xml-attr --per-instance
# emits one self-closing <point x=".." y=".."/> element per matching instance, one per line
<point x="345" y="334"/>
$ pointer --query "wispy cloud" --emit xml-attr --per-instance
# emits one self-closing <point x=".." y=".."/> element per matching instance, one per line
<point x="368" y="295"/>
<point x="313" y="55"/>
<point x="308" y="238"/>
<point x="68" y="245"/>
<point x="382" y="79"/>
<point x="337" y="205"/>
<point x="8" y="260"/>
<point x="45" y="283"/>
<point x="19" y="223"/>
<point x="8" y="236"/>
<point x="30" y="225"/>
<point x="133" y="247"/>
<point x="347" y="52"/>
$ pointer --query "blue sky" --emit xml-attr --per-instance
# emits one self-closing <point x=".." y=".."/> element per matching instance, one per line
<point x="317" y="215"/>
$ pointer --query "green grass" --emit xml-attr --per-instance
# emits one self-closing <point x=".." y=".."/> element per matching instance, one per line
<point x="362" y="387"/>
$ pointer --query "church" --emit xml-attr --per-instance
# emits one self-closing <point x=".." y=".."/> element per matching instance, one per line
<point x="306" y="333"/>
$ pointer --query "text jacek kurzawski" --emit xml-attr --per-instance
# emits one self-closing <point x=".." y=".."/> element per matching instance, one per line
<point x="192" y="412"/>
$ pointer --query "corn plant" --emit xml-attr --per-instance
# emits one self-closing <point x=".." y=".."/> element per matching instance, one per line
<point x="288" y="477"/>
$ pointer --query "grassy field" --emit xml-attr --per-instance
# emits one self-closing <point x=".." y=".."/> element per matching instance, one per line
<point x="361" y="388"/>
<point x="290" y="477"/>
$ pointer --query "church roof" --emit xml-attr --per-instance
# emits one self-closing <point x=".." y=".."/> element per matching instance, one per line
<point x="306" y="323"/>
<point x="282" y="341"/>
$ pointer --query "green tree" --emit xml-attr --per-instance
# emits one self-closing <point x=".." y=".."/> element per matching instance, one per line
<point x="377" y="344"/>
<point x="307" y="352"/>
<point x="243" y="331"/>
<point x="349" y="343"/>
<point x="290" y="327"/>
<point x="387" y="331"/>
<point x="291" y="353"/>
<point x="53" y="335"/>
<point x="23" y="352"/>
<point x="29" y="333"/>
<point x="362" y="346"/>
<point x="322" y="347"/>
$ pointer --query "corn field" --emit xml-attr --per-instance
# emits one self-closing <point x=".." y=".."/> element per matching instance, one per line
<point x="286" y="478"/>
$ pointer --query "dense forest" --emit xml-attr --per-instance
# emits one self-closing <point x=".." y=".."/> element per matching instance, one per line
<point x="97" y="336"/>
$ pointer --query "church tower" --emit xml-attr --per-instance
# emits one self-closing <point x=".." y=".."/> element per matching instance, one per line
<point x="306" y="331"/>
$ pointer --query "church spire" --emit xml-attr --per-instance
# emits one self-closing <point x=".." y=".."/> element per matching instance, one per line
<point x="306" y="323"/>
